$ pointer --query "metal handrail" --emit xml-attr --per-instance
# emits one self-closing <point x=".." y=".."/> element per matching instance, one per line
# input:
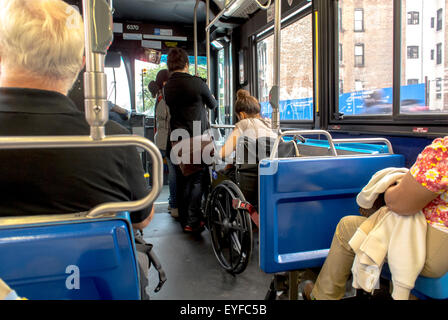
<point x="8" y="143"/>
<point x="367" y="140"/>
<point x="222" y="126"/>
<point x="303" y="132"/>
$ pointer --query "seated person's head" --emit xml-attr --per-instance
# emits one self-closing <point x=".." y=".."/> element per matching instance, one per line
<point x="178" y="60"/>
<point x="41" y="44"/>
<point x="246" y="106"/>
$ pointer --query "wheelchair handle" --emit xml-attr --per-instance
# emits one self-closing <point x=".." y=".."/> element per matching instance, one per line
<point x="8" y="143"/>
<point x="367" y="140"/>
<point x="303" y="132"/>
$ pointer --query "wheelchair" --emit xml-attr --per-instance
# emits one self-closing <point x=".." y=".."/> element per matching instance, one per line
<point x="231" y="201"/>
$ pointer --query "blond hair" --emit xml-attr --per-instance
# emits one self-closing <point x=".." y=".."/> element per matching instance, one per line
<point x="42" y="37"/>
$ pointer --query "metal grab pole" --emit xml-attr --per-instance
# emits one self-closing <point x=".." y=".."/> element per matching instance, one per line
<point x="98" y="30"/>
<point x="275" y="91"/>
<point x="209" y="72"/>
<point x="196" y="37"/>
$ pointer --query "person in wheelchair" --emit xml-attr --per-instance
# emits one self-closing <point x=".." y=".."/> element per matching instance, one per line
<point x="250" y="141"/>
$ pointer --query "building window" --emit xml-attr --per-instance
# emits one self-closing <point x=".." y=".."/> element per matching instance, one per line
<point x="412" y="81"/>
<point x="438" y="88"/>
<point x="340" y="20"/>
<point x="412" y="52"/>
<point x="413" y="17"/>
<point x="359" y="55"/>
<point x="359" y="20"/>
<point x="341" y="86"/>
<point x="439" y="53"/>
<point x="340" y="53"/>
<point x="359" y="85"/>
<point x="432" y="54"/>
<point x="439" y="19"/>
<point x="432" y="22"/>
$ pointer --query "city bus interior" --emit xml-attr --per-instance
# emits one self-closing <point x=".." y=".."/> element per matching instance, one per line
<point x="362" y="82"/>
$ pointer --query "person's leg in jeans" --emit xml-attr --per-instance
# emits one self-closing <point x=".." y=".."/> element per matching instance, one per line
<point x="172" y="184"/>
<point x="194" y="185"/>
<point x="182" y="195"/>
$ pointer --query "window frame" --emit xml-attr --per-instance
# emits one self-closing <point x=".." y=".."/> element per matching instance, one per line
<point x="439" y="53"/>
<point x="363" y="63"/>
<point x="439" y="24"/>
<point x="401" y="123"/>
<point x="300" y="13"/>
<point x="362" y="29"/>
<point x="414" y="18"/>
<point x="413" y="54"/>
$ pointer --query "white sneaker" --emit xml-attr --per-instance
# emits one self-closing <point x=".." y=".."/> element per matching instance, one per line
<point x="174" y="213"/>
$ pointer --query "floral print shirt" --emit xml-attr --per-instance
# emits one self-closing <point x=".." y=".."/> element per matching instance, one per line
<point x="431" y="171"/>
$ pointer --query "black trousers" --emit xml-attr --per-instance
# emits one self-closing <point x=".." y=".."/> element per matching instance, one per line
<point x="189" y="197"/>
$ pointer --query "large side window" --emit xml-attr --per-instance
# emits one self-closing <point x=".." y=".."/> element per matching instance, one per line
<point x="367" y="75"/>
<point x="296" y="74"/>
<point x="145" y="72"/>
<point x="118" y="86"/>
<point x="423" y="68"/>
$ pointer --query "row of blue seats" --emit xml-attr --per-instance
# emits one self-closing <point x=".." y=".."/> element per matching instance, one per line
<point x="75" y="257"/>
<point x="304" y="199"/>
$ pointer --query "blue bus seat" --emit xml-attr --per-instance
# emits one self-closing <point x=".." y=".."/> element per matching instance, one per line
<point x="303" y="201"/>
<point x="425" y="288"/>
<point x="41" y="256"/>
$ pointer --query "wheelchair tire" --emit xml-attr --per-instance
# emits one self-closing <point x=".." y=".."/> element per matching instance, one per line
<point x="230" y="229"/>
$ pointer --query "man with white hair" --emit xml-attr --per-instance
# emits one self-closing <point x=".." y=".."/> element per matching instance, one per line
<point x="41" y="55"/>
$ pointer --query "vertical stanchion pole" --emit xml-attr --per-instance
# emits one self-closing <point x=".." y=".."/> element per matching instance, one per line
<point x="209" y="72"/>
<point x="98" y="29"/>
<point x="196" y="37"/>
<point x="274" y="95"/>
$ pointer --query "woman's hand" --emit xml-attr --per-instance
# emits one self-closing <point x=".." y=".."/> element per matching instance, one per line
<point x="408" y="197"/>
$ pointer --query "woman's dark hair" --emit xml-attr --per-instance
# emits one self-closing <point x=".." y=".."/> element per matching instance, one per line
<point x="162" y="77"/>
<point x="153" y="88"/>
<point x="246" y="103"/>
<point x="177" y="59"/>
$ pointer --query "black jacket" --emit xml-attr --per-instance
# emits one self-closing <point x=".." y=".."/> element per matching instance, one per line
<point x="57" y="181"/>
<point x="186" y="96"/>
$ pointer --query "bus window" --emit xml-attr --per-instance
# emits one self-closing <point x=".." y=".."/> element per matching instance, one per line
<point x="221" y="86"/>
<point x="296" y="74"/>
<point x="146" y="72"/>
<point x="365" y="57"/>
<point x="423" y="58"/>
<point x="118" y="86"/>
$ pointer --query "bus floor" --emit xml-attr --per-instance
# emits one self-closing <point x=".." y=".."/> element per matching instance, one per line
<point x="192" y="270"/>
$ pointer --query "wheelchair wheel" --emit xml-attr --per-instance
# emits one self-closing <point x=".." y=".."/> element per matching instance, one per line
<point x="230" y="228"/>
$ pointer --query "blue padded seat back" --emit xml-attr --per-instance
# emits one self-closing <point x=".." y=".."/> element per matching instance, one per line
<point x="434" y="288"/>
<point x="425" y="288"/>
<point x="303" y="201"/>
<point x="37" y="261"/>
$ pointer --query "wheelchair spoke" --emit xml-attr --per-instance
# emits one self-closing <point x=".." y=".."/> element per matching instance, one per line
<point x="236" y="241"/>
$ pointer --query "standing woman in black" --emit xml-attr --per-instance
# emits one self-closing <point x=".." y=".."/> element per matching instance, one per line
<point x="186" y="96"/>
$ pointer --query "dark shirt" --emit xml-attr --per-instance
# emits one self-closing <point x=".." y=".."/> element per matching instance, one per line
<point x="120" y="118"/>
<point x="186" y="95"/>
<point x="56" y="181"/>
